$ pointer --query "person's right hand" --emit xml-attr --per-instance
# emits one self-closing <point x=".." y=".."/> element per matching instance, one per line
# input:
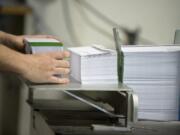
<point x="43" y="68"/>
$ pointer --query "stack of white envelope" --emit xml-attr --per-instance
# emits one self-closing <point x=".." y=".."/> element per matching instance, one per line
<point x="39" y="45"/>
<point x="94" y="65"/>
<point x="153" y="72"/>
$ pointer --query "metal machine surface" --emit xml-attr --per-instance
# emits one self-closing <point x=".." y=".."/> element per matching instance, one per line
<point x="82" y="109"/>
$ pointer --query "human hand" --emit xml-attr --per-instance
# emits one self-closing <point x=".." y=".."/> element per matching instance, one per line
<point x="42" y="67"/>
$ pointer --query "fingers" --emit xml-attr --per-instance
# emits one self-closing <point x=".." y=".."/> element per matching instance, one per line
<point x="55" y="79"/>
<point x="63" y="71"/>
<point x="62" y="64"/>
<point x="60" y="55"/>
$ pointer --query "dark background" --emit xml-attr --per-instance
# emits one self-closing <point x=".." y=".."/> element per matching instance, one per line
<point x="11" y="23"/>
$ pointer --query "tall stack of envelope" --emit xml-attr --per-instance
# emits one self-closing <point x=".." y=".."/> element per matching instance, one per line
<point x="153" y="72"/>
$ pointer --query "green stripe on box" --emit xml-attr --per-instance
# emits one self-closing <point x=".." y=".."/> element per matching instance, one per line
<point x="46" y="44"/>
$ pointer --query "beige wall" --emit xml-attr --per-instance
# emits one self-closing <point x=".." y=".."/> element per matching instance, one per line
<point x="82" y="22"/>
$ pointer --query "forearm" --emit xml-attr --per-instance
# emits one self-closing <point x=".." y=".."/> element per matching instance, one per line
<point x="12" y="41"/>
<point x="11" y="60"/>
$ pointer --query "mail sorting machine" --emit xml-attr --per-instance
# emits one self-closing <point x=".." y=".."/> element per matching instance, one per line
<point x="82" y="109"/>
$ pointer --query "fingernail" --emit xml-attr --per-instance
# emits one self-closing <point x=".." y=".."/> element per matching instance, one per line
<point x="68" y="64"/>
<point x="66" y="54"/>
<point x="67" y="71"/>
<point x="66" y="80"/>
